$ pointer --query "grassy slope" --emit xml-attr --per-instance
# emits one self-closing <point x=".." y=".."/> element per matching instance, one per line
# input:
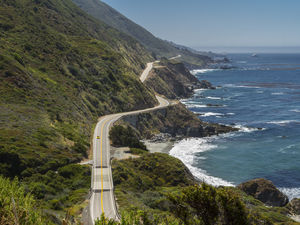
<point x="59" y="70"/>
<point x="159" y="47"/>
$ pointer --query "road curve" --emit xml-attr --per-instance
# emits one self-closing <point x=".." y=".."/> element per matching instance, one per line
<point x="146" y="72"/>
<point x="102" y="199"/>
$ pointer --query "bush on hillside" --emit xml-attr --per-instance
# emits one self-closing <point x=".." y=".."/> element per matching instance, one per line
<point x="17" y="207"/>
<point x="125" y="136"/>
<point x="205" y="204"/>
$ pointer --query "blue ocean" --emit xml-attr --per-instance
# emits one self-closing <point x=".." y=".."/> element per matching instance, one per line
<point x="261" y="96"/>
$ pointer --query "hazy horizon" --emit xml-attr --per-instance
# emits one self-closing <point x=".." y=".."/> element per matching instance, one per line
<point x="233" y="23"/>
<point x="249" y="49"/>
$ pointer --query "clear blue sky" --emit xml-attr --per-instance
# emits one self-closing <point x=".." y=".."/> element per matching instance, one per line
<point x="210" y="23"/>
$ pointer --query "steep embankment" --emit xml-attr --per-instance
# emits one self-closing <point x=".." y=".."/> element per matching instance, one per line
<point x="60" y="70"/>
<point x="175" y="120"/>
<point x="173" y="80"/>
<point x="158" y="47"/>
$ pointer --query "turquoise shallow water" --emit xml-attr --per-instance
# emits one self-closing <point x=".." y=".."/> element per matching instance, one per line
<point x="261" y="92"/>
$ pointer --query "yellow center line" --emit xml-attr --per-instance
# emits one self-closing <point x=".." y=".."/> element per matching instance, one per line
<point x="101" y="142"/>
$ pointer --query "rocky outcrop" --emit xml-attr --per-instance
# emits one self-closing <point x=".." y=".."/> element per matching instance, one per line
<point x="173" y="80"/>
<point x="294" y="206"/>
<point x="175" y="120"/>
<point x="265" y="191"/>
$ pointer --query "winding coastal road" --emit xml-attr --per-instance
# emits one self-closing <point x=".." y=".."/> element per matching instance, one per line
<point x="102" y="199"/>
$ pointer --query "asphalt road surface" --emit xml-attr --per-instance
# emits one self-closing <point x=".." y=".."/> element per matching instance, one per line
<point x="102" y="198"/>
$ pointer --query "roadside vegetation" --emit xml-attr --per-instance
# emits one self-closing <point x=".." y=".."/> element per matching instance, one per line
<point x="17" y="206"/>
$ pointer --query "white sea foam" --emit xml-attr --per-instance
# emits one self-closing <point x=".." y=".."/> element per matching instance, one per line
<point x="295" y="110"/>
<point x="291" y="192"/>
<point x="282" y="122"/>
<point x="196" y="106"/>
<point x="214" y="98"/>
<point x="206" y="114"/>
<point x="240" y="86"/>
<point x="199" y="91"/>
<point x="277" y="93"/>
<point x="185" y="150"/>
<point x="247" y="129"/>
<point x="243" y="86"/>
<point x="230" y="114"/>
<point x="194" y="72"/>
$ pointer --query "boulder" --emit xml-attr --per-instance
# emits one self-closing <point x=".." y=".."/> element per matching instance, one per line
<point x="294" y="206"/>
<point x="265" y="191"/>
<point x="205" y="85"/>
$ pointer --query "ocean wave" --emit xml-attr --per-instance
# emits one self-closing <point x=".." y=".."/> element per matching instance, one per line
<point x="277" y="93"/>
<point x="199" y="91"/>
<point x="291" y="192"/>
<point x="195" y="106"/>
<point x="194" y="72"/>
<point x="295" y="110"/>
<point x="207" y="114"/>
<point x="230" y="114"/>
<point x="282" y="122"/>
<point x="186" y="149"/>
<point x="245" y="129"/>
<point x="245" y="86"/>
<point x="214" y="98"/>
<point x="239" y="86"/>
<point x="288" y="149"/>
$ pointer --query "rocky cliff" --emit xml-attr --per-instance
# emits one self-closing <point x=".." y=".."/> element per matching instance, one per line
<point x="265" y="191"/>
<point x="175" y="120"/>
<point x="173" y="80"/>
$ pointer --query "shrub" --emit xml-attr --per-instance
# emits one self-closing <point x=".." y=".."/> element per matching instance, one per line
<point x="17" y="207"/>
<point x="205" y="204"/>
<point x="125" y="136"/>
<point x="10" y="163"/>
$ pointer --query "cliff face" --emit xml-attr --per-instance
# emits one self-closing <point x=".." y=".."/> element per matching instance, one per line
<point x="175" y="120"/>
<point x="173" y="80"/>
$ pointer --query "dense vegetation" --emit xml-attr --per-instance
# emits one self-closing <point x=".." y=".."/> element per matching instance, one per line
<point x="17" y="206"/>
<point x="125" y="136"/>
<point x="60" y="70"/>
<point x="159" y="189"/>
<point x="158" y="47"/>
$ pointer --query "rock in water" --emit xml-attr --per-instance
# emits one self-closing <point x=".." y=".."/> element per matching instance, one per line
<point x="294" y="206"/>
<point x="265" y="191"/>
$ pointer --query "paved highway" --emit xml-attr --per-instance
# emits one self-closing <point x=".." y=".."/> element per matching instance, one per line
<point x="102" y="199"/>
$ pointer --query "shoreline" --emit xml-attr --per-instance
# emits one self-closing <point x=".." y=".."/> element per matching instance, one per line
<point x="163" y="146"/>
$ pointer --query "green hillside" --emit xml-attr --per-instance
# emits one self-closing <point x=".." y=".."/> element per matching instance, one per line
<point x="60" y="69"/>
<point x="160" y="48"/>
